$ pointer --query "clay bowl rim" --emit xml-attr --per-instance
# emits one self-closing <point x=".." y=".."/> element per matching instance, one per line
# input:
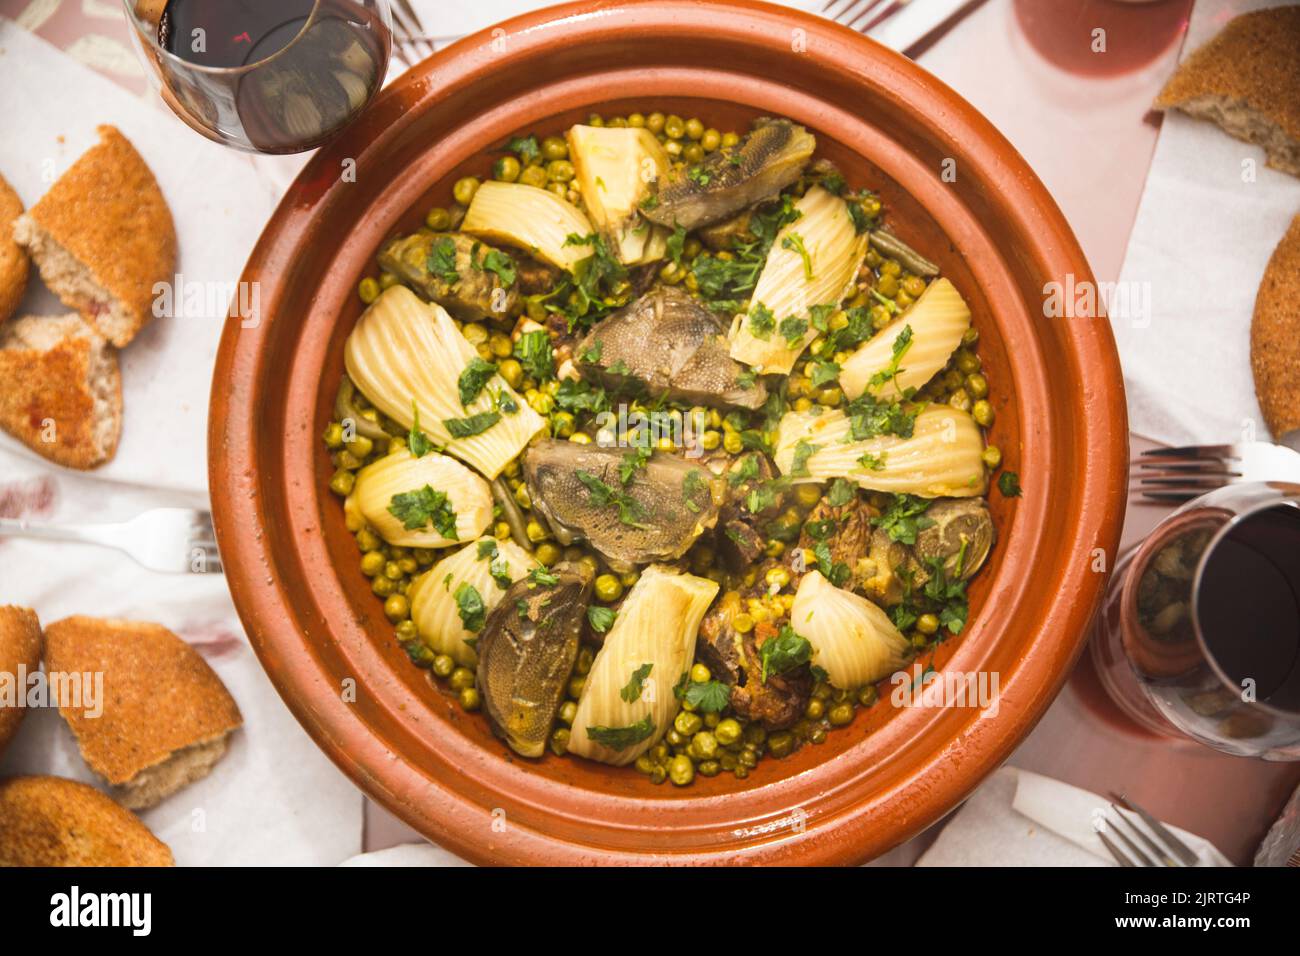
<point x="1086" y="437"/>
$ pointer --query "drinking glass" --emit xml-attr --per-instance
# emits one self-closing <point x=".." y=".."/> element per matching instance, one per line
<point x="266" y="76"/>
<point x="1199" y="632"/>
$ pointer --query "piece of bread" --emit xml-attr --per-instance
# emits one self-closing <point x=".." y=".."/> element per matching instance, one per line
<point x="20" y="646"/>
<point x="13" y="258"/>
<point x="60" y="389"/>
<point x="102" y="237"/>
<point x="166" y="715"/>
<point x="49" y="821"/>
<point x="1247" y="79"/>
<point x="1275" y="336"/>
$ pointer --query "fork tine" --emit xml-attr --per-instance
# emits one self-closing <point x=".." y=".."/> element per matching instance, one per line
<point x="857" y="23"/>
<point x="1181" y="849"/>
<point x="1207" y="482"/>
<point x="413" y="27"/>
<point x="1193" y="451"/>
<point x="1183" y="465"/>
<point x="1171" y="497"/>
<point x="885" y="14"/>
<point x="1120" y="858"/>
<point x="1132" y="847"/>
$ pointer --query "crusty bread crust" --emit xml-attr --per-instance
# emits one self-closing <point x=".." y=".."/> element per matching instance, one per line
<point x="1275" y="336"/>
<point x="161" y="699"/>
<point x="1247" y="79"/>
<point x="61" y="381"/>
<point x="49" y="821"/>
<point x="13" y="258"/>
<point x="108" y="214"/>
<point x="20" y="645"/>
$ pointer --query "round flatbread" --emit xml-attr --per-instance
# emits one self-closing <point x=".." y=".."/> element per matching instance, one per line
<point x="13" y="258"/>
<point x="1275" y="336"/>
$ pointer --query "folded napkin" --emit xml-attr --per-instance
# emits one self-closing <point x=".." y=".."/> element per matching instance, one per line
<point x="274" y="798"/>
<point x="1018" y="818"/>
<point x="1210" y="217"/>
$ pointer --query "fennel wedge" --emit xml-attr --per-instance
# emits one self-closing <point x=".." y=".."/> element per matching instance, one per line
<point x="450" y="601"/>
<point x="924" y="338"/>
<point x="627" y="702"/>
<point x="853" y="640"/>
<point x="616" y="169"/>
<point x="407" y="356"/>
<point x="812" y="263"/>
<point x="941" y="458"/>
<point x="528" y="218"/>
<point x="427" y="502"/>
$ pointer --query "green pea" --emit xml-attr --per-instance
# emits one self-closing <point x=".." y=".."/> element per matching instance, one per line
<point x="372" y="562"/>
<point x="534" y="176"/>
<point x="341" y="483"/>
<point x="397" y="607"/>
<point x="461" y="678"/>
<point x="506" y="169"/>
<point x="393" y="571"/>
<point x="368" y="289"/>
<point x="469" y="699"/>
<point x="608" y="588"/>
<point x="693" y="154"/>
<point x="982" y="412"/>
<point x="655" y="123"/>
<point x="687" y="724"/>
<point x="967" y="361"/>
<point x="381" y="586"/>
<point x="560" y="171"/>
<point x="700" y="674"/>
<point x="815" y="710"/>
<point x="709" y="768"/>
<point x="681" y="771"/>
<point x="728" y="731"/>
<point x="568" y="711"/>
<point x="840" y="715"/>
<point x="977" y="385"/>
<point x="674" y="127"/>
<point x="464" y="190"/>
<point x="333" y="435"/>
<point x="554" y="147"/>
<point x="711" y="140"/>
<point x="704" y="745"/>
<point x="868" y="695"/>
<point x="438" y="219"/>
<point x="992" y="456"/>
<point x="407" y="631"/>
<point x="927" y="623"/>
<point x="443" y="665"/>
<point x="780" y="745"/>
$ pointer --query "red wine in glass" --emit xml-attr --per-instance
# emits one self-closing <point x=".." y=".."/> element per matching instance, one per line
<point x="273" y="76"/>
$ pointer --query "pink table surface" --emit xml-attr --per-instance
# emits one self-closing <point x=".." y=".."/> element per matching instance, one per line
<point x="1081" y="118"/>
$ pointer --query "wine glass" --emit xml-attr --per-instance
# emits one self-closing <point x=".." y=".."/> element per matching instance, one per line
<point x="267" y="77"/>
<point x="1199" y="632"/>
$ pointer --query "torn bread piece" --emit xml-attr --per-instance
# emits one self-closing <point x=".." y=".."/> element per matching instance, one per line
<point x="102" y="238"/>
<point x="13" y="258"/>
<point x="166" y="715"/>
<point x="50" y="821"/>
<point x="20" y="652"/>
<point x="1247" y="80"/>
<point x="62" y="395"/>
<point x="1275" y="337"/>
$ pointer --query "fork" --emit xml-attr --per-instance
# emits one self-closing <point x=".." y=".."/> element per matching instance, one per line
<point x="1156" y="854"/>
<point x="173" y="540"/>
<point x="856" y="14"/>
<point x="1180" y="474"/>
<point x="411" y="43"/>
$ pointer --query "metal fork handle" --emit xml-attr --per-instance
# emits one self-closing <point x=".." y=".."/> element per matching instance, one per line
<point x="102" y="534"/>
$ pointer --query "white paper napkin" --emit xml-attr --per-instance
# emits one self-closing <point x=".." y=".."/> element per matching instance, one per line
<point x="1018" y="818"/>
<point x="1210" y="217"/>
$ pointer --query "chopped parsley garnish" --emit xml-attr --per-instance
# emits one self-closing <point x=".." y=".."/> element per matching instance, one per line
<point x="470" y="607"/>
<point x="442" y="260"/>
<point x="633" y="461"/>
<point x="841" y="493"/>
<point x="692" y="485"/>
<point x="725" y="283"/>
<point x="621" y="738"/>
<point x="592" y="355"/>
<point x="869" y="418"/>
<point x="745" y="380"/>
<point x="904" y="518"/>
<point x="423" y="507"/>
<point x="872" y="462"/>
<point x="744" y="470"/>
<point x="820" y="316"/>
<point x="676" y="244"/>
<point x="710" y="697"/>
<point x="540" y="577"/>
<point x="650" y="202"/>
<point x="471" y="426"/>
<point x="761" y="321"/>
<point x="948" y="594"/>
<point x="792" y="329"/>
<point x="630" y="511"/>
<point x="498" y="566"/>
<point x="833" y="182"/>
<point x="473" y="379"/>
<point x="502" y="266"/>
<point x="590" y="292"/>
<point x="890" y="372"/>
<point x="416" y="441"/>
<point x="533" y="350"/>
<point x="823" y="373"/>
<point x="803" y="450"/>
<point x="784" y="653"/>
<point x="601" y="618"/>
<point x="794" y="243"/>
<point x="526" y="148"/>
<point x="631" y="691"/>
<point x="577" y="395"/>
<point x="1009" y="484"/>
<point x="861" y="221"/>
<point x="699" y="176"/>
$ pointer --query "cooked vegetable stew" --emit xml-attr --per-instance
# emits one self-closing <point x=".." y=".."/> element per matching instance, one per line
<point x="661" y="449"/>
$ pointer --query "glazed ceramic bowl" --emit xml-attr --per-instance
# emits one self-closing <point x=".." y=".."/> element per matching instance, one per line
<point x="953" y="188"/>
